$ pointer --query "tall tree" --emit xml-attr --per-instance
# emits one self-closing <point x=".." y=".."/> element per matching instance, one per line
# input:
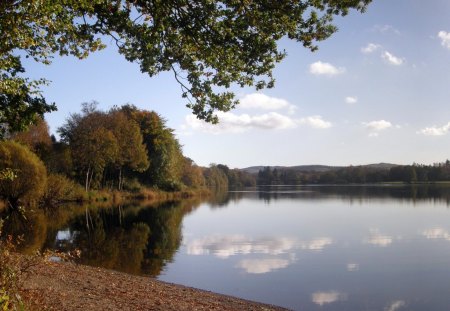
<point x="208" y="45"/>
<point x="132" y="153"/>
<point x="163" y="149"/>
<point x="99" y="140"/>
<point x="192" y="175"/>
<point x="92" y="150"/>
<point x="92" y="145"/>
<point x="215" y="178"/>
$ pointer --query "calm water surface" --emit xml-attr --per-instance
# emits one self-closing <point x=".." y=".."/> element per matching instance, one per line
<point x="305" y="248"/>
<point x="314" y="248"/>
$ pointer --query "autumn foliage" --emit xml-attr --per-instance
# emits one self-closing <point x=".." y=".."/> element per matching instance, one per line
<point x="30" y="180"/>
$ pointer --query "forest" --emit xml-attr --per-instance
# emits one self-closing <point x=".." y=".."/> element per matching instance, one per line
<point x="124" y="149"/>
<point x="363" y="174"/>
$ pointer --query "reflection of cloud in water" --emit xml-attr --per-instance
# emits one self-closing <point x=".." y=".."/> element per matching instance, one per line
<point x="63" y="235"/>
<point x="226" y="246"/>
<point x="436" y="233"/>
<point x="378" y="239"/>
<point x="316" y="244"/>
<point x="258" y="266"/>
<point x="352" y="267"/>
<point x="396" y="305"/>
<point x="322" y="298"/>
<point x="229" y="245"/>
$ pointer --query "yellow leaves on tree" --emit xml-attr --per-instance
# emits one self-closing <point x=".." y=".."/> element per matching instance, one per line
<point x="30" y="179"/>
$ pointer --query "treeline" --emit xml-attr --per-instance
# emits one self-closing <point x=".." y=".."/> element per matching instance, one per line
<point x="124" y="148"/>
<point x="437" y="172"/>
<point x="221" y="177"/>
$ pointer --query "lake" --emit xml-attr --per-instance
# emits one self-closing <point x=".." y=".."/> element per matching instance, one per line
<point x="301" y="247"/>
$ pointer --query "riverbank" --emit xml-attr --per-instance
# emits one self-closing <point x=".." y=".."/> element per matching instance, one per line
<point x="145" y="194"/>
<point x="67" y="286"/>
<point x="118" y="197"/>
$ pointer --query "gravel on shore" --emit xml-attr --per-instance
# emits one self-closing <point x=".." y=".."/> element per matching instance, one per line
<point x="67" y="286"/>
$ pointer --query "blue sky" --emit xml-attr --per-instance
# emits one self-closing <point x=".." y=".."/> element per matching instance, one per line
<point x="376" y="91"/>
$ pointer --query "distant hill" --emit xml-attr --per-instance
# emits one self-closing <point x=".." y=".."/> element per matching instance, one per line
<point x="316" y="168"/>
<point x="385" y="166"/>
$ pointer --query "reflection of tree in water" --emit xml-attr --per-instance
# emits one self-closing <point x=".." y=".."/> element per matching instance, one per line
<point x="354" y="193"/>
<point x="104" y="243"/>
<point x="31" y="227"/>
<point x="165" y="239"/>
<point x="266" y="193"/>
<point x="134" y="239"/>
<point x="414" y="193"/>
<point x="220" y="199"/>
<point x="37" y="227"/>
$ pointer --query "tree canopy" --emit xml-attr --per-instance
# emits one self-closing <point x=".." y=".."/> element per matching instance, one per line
<point x="208" y="45"/>
<point x="98" y="140"/>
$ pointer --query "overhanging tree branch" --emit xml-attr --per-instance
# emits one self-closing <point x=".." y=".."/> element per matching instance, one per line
<point x="236" y="41"/>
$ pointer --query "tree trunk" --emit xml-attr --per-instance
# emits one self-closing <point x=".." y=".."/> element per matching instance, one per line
<point x="90" y="178"/>
<point x="120" y="179"/>
<point x="87" y="179"/>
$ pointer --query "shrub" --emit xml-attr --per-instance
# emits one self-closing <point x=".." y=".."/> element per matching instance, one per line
<point x="172" y="186"/>
<point x="132" y="185"/>
<point x="60" y="189"/>
<point x="30" y="176"/>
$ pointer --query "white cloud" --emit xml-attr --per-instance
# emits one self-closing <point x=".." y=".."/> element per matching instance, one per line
<point x="370" y="48"/>
<point x="230" y="122"/>
<point x="315" y="122"/>
<point x="259" y="266"/>
<point x="321" y="68"/>
<point x="386" y="29"/>
<point x="445" y="38"/>
<point x="264" y="102"/>
<point x="377" y="125"/>
<point x="392" y="59"/>
<point x="435" y="131"/>
<point x="351" y="99"/>
<point x="394" y="306"/>
<point x="238" y="123"/>
<point x="385" y="55"/>
<point x="322" y="298"/>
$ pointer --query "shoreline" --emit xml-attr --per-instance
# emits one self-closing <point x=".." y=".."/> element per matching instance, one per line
<point x="68" y="286"/>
